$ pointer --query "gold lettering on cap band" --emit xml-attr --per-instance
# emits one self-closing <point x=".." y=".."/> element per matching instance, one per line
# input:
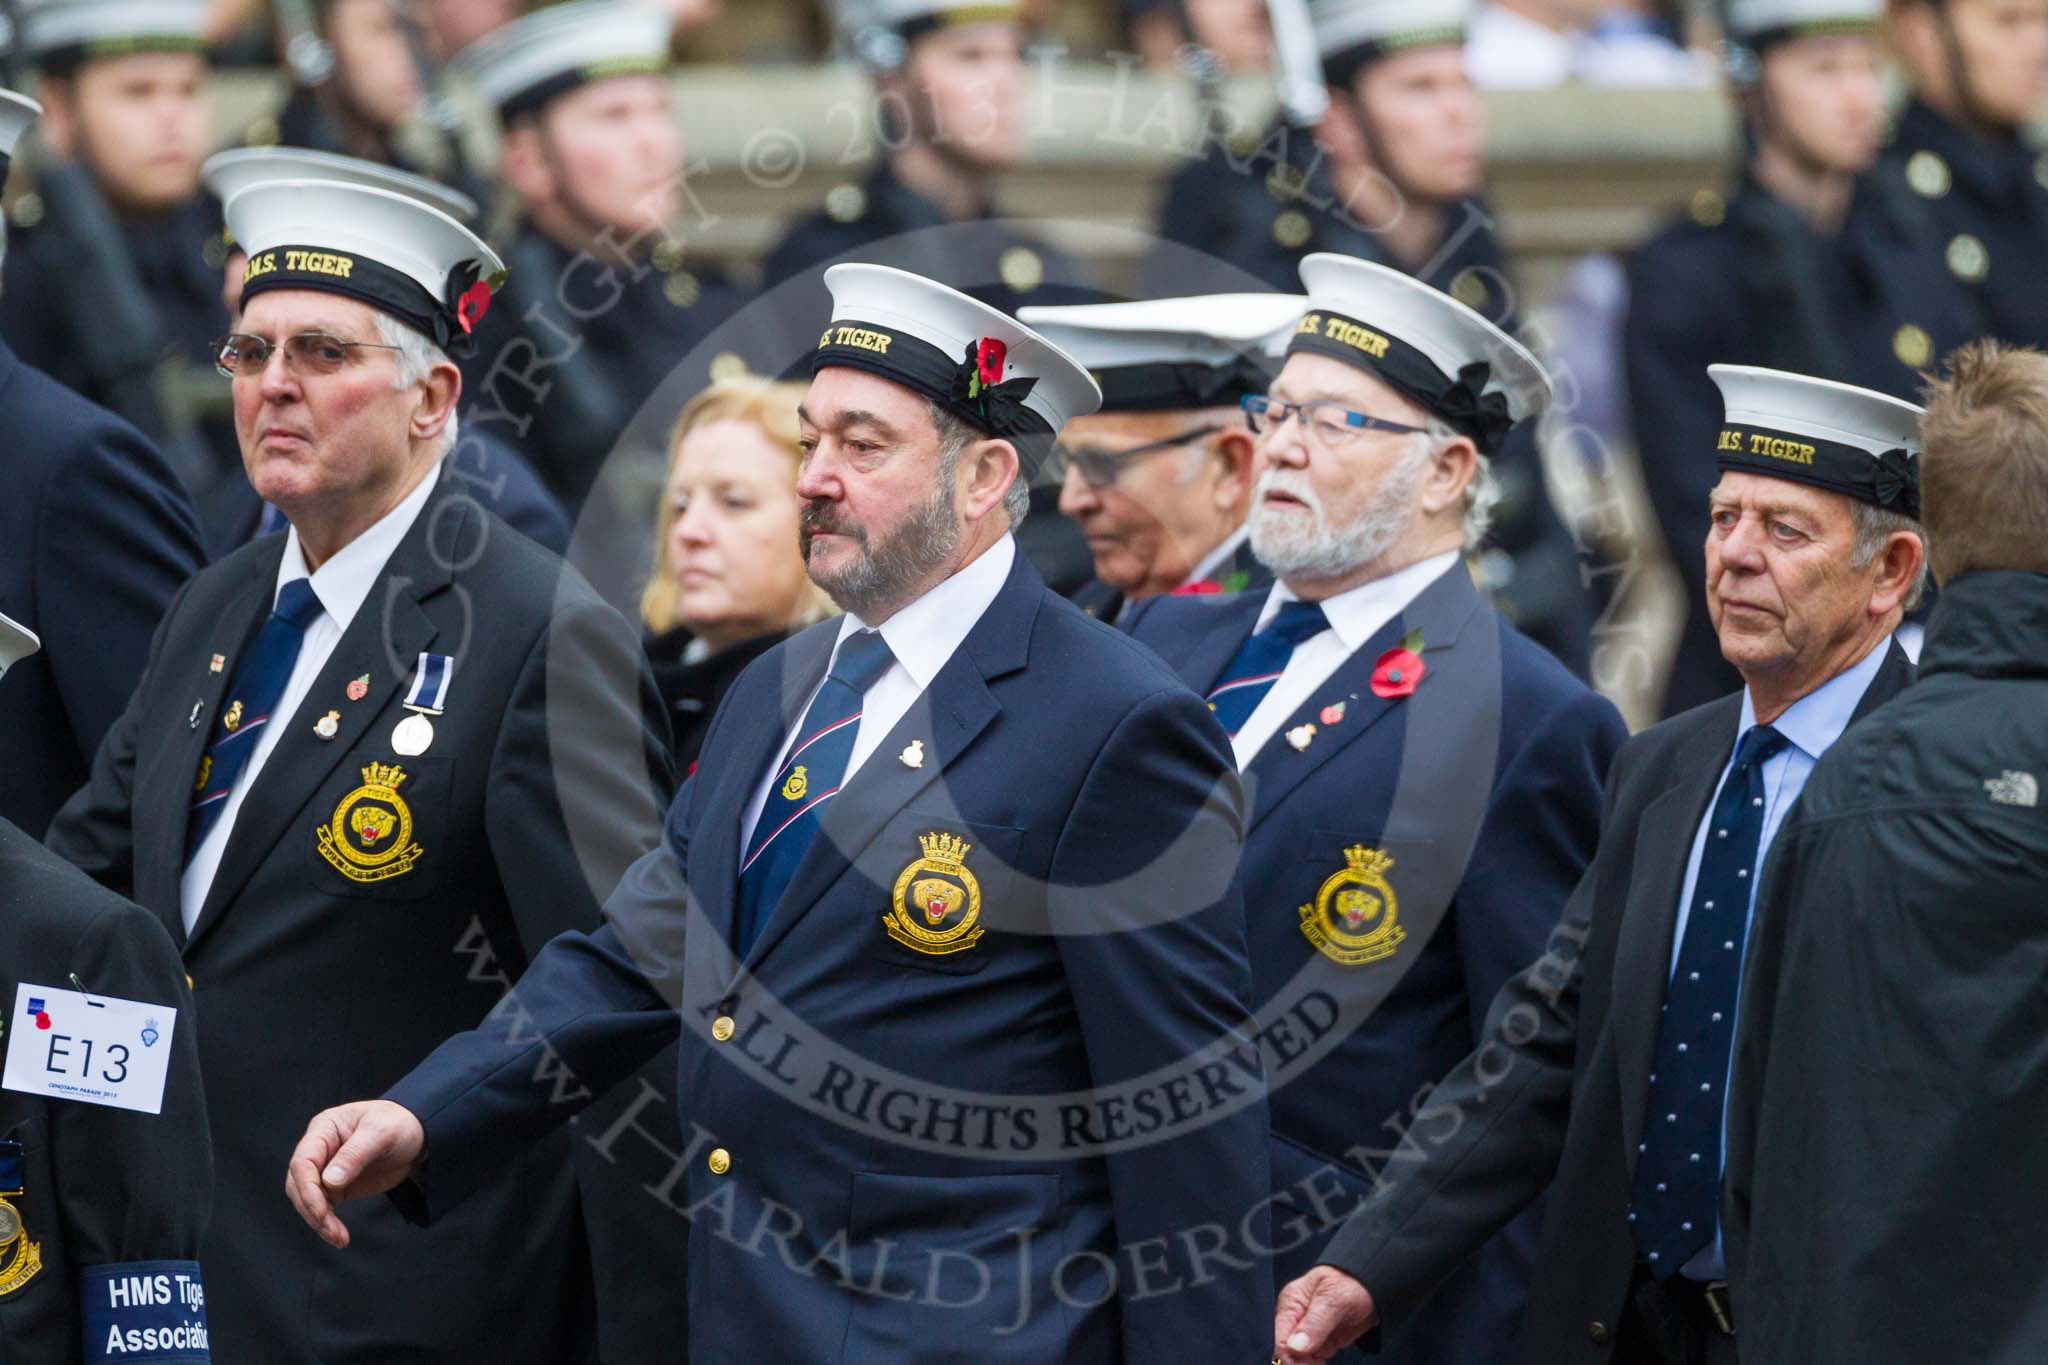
<point x="860" y="338"/>
<point x="1344" y="332"/>
<point x="1771" y="447"/>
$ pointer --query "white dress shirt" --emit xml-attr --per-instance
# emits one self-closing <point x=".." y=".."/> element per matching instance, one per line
<point x="1356" y="615"/>
<point x="1812" y="725"/>
<point x="1214" y="561"/>
<point x="342" y="584"/>
<point x="922" y="637"/>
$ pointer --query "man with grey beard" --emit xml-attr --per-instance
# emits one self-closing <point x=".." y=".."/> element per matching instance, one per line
<point x="948" y="917"/>
<point x="1422" y="783"/>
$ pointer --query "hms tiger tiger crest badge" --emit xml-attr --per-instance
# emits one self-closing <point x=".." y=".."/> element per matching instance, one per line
<point x="369" y="838"/>
<point x="1354" y="917"/>
<point x="936" y="907"/>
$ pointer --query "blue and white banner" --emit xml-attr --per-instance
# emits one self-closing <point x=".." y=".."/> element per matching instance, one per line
<point x="153" y="1311"/>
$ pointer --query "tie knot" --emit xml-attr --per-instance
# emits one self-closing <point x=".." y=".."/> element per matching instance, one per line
<point x="1297" y="621"/>
<point x="298" y="603"/>
<point x="1759" y="746"/>
<point x="863" y="657"/>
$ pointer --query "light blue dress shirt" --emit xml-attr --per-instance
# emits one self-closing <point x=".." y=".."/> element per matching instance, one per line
<point x="1812" y="723"/>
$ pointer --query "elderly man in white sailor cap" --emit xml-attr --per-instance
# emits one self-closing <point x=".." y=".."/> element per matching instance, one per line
<point x="606" y="299"/>
<point x="948" y="919"/>
<point x="1602" y="1072"/>
<point x="495" y="473"/>
<point x="1159" y="480"/>
<point x="373" y="765"/>
<point x="1422" y="782"/>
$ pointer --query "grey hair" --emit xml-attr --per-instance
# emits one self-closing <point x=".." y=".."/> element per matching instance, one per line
<point x="416" y="358"/>
<point x="1874" y="526"/>
<point x="954" y="438"/>
<point x="1482" y="495"/>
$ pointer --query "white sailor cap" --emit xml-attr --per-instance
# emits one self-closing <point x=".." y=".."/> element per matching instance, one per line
<point x="17" y="642"/>
<point x="983" y="366"/>
<point x="522" y="65"/>
<point x="1161" y="355"/>
<point x="60" y="35"/>
<point x="1815" y="431"/>
<point x="384" y="249"/>
<point x="17" y="114"/>
<point x="1756" y="24"/>
<point x="914" y="17"/>
<point x="227" y="174"/>
<point x="1423" y="342"/>
<point x="1350" y="33"/>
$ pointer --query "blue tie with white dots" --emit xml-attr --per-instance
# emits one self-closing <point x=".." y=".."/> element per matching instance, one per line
<point x="1678" y="1166"/>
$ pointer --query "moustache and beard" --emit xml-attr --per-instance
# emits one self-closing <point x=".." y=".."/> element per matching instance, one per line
<point x="1303" y="545"/>
<point x="887" y="568"/>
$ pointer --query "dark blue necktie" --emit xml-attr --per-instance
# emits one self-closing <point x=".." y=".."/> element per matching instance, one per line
<point x="1261" y="660"/>
<point x="809" y="777"/>
<point x="253" y="694"/>
<point x="1678" y="1167"/>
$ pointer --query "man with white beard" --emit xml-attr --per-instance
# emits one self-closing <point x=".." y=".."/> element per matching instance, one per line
<point x="1422" y="783"/>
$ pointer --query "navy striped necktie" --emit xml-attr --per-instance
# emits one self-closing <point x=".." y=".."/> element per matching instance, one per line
<point x="253" y="694"/>
<point x="1261" y="660"/>
<point x="808" y="778"/>
<point x="1677" y="1188"/>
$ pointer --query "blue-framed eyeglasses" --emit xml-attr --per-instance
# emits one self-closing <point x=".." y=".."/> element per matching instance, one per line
<point x="1331" y="422"/>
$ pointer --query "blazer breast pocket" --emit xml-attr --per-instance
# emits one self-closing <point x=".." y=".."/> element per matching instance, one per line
<point x="1346" y="896"/>
<point x="379" y="827"/>
<point x="947" y="887"/>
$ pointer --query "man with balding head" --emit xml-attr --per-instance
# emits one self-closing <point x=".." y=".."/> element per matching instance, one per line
<point x="1601" y="1073"/>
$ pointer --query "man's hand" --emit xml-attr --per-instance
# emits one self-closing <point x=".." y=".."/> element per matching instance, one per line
<point x="351" y="1152"/>
<point x="1319" y="1315"/>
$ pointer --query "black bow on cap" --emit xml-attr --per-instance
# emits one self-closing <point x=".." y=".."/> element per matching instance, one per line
<point x="975" y="390"/>
<point x="1892" y="482"/>
<point x="1467" y="406"/>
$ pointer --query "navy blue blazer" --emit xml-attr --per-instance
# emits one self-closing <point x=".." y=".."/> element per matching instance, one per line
<point x="1045" y="1144"/>
<point x="99" y="536"/>
<point x="1402" y="860"/>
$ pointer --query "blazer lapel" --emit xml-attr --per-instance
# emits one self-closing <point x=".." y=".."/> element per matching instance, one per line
<point x="162" y="812"/>
<point x="1440" y="612"/>
<point x="1642" y="954"/>
<point x="384" y="640"/>
<point x="947" y="717"/>
<point x="1228" y="626"/>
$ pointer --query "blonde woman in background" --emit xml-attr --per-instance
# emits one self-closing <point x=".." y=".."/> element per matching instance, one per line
<point x="728" y="579"/>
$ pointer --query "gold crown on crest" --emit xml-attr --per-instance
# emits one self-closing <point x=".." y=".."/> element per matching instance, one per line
<point x="944" y="851"/>
<point x="1367" y="862"/>
<point x="383" y="775"/>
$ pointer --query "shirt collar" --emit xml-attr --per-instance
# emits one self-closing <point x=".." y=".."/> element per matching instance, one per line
<point x="1816" y="720"/>
<point x="924" y="634"/>
<point x="343" y="583"/>
<point x="1357" y="614"/>
<point x="1218" y="557"/>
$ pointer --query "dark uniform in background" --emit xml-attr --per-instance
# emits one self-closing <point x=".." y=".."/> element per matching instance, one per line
<point x="91" y="1194"/>
<point x="1986" y="193"/>
<point x="375" y="891"/>
<point x="1436" y="832"/>
<point x="1559" y="1095"/>
<point x="1886" y="1179"/>
<point x="581" y="340"/>
<point x="116" y="305"/>
<point x="100" y="536"/>
<point x="1260" y="204"/>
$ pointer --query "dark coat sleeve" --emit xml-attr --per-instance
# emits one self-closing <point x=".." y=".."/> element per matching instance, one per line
<point x="1159" y="973"/>
<point x="115" y="540"/>
<point x="95" y="831"/>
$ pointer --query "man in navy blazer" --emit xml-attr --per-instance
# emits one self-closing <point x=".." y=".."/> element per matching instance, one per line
<point x="958" y="958"/>
<point x="1422" y="783"/>
<point x="99" y="537"/>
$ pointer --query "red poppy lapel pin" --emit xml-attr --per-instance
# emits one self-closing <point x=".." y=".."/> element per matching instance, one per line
<point x="1400" y="669"/>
